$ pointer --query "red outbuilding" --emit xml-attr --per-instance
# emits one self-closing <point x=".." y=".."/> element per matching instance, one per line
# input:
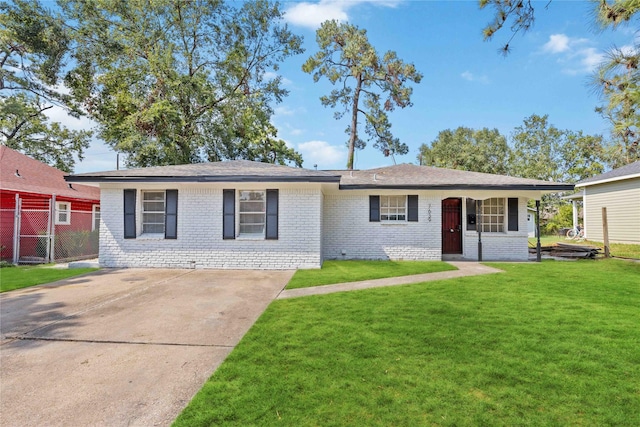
<point x="43" y="218"/>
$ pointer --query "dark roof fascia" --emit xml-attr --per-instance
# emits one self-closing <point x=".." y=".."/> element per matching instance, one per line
<point x="519" y="187"/>
<point x="232" y="178"/>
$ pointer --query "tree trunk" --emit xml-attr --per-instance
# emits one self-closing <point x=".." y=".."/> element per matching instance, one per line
<point x="354" y="123"/>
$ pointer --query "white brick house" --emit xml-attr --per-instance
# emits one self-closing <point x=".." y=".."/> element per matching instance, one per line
<point x="242" y="214"/>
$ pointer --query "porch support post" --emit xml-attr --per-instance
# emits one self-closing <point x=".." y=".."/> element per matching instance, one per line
<point x="479" y="227"/>
<point x="538" y="248"/>
<point x="574" y="202"/>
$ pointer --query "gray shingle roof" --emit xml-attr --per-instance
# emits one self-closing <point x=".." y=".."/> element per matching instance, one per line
<point x="426" y="177"/>
<point x="405" y="176"/>
<point x="232" y="170"/>
<point x="621" y="172"/>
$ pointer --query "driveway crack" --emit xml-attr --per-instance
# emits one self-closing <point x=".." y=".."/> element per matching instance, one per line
<point x="116" y="342"/>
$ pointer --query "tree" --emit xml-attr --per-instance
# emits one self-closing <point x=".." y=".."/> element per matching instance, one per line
<point x="181" y="81"/>
<point x="542" y="151"/>
<point x="616" y="79"/>
<point x="481" y="150"/>
<point x="34" y="45"/>
<point x="618" y="82"/>
<point x="347" y="57"/>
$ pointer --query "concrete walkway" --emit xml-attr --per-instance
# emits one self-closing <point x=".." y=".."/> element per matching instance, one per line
<point x="464" y="268"/>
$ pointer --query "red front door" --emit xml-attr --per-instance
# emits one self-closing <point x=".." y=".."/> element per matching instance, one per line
<point x="452" y="226"/>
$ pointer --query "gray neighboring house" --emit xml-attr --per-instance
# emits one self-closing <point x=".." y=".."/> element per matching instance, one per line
<point x="619" y="191"/>
<point x="243" y="214"/>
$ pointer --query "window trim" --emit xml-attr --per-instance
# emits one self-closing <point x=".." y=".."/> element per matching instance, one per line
<point x="143" y="212"/>
<point x="252" y="236"/>
<point x="396" y="208"/>
<point x="60" y="211"/>
<point x="501" y="226"/>
<point x="93" y="217"/>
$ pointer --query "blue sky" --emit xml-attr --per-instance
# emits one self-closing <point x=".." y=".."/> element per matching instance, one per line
<point x="465" y="81"/>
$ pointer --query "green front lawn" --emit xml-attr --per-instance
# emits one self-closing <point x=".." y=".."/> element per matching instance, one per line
<point x="356" y="270"/>
<point x="545" y="344"/>
<point x="24" y="276"/>
<point x="616" y="249"/>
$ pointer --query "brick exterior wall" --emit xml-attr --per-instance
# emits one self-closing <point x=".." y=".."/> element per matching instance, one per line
<point x="200" y="244"/>
<point x="312" y="226"/>
<point x="507" y="246"/>
<point x="348" y="234"/>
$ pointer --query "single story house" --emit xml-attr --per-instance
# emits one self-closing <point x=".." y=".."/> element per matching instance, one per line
<point x="38" y="208"/>
<point x="243" y="214"/>
<point x="619" y="191"/>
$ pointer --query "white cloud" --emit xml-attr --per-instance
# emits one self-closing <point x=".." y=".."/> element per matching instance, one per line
<point x="270" y="75"/>
<point x="59" y="114"/>
<point x="590" y="58"/>
<point x="323" y="154"/>
<point x="311" y="15"/>
<point x="283" y="111"/>
<point x="557" y="43"/>
<point x="469" y="76"/>
<point x="574" y="53"/>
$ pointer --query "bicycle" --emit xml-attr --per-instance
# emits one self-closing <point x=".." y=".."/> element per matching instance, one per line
<point x="575" y="234"/>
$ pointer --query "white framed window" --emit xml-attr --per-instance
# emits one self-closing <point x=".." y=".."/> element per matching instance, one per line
<point x="95" y="218"/>
<point x="153" y="210"/>
<point x="252" y="213"/>
<point x="63" y="213"/>
<point x="393" y="208"/>
<point x="493" y="215"/>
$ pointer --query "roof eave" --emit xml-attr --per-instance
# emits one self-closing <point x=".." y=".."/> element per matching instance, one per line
<point x="604" y="181"/>
<point x="518" y="187"/>
<point x="195" y="179"/>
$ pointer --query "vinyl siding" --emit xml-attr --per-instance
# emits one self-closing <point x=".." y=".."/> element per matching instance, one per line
<point x="622" y="200"/>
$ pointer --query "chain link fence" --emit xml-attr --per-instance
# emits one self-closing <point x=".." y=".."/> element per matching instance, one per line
<point x="35" y="232"/>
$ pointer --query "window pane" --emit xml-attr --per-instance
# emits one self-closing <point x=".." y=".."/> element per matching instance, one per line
<point x="253" y="206"/>
<point x="153" y="228"/>
<point x="251" y="229"/>
<point x="156" y="218"/>
<point x="251" y="195"/>
<point x="153" y="195"/>
<point x="154" y="206"/>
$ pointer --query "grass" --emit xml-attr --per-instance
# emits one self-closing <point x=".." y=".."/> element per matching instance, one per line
<point x="25" y="276"/>
<point x="356" y="270"/>
<point x="544" y="344"/>
<point x="616" y="249"/>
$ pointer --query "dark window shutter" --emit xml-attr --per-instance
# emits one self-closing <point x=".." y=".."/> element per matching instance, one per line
<point x="272" y="215"/>
<point x="471" y="214"/>
<point x="412" y="211"/>
<point x="228" y="214"/>
<point x="130" y="214"/>
<point x="374" y="208"/>
<point x="171" y="215"/>
<point x="513" y="214"/>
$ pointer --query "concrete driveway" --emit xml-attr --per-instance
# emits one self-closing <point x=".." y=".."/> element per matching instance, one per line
<point x="122" y="347"/>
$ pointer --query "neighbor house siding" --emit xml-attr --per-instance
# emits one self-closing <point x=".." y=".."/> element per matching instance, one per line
<point x="348" y="233"/>
<point x="622" y="200"/>
<point x="508" y="245"/>
<point x="199" y="242"/>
